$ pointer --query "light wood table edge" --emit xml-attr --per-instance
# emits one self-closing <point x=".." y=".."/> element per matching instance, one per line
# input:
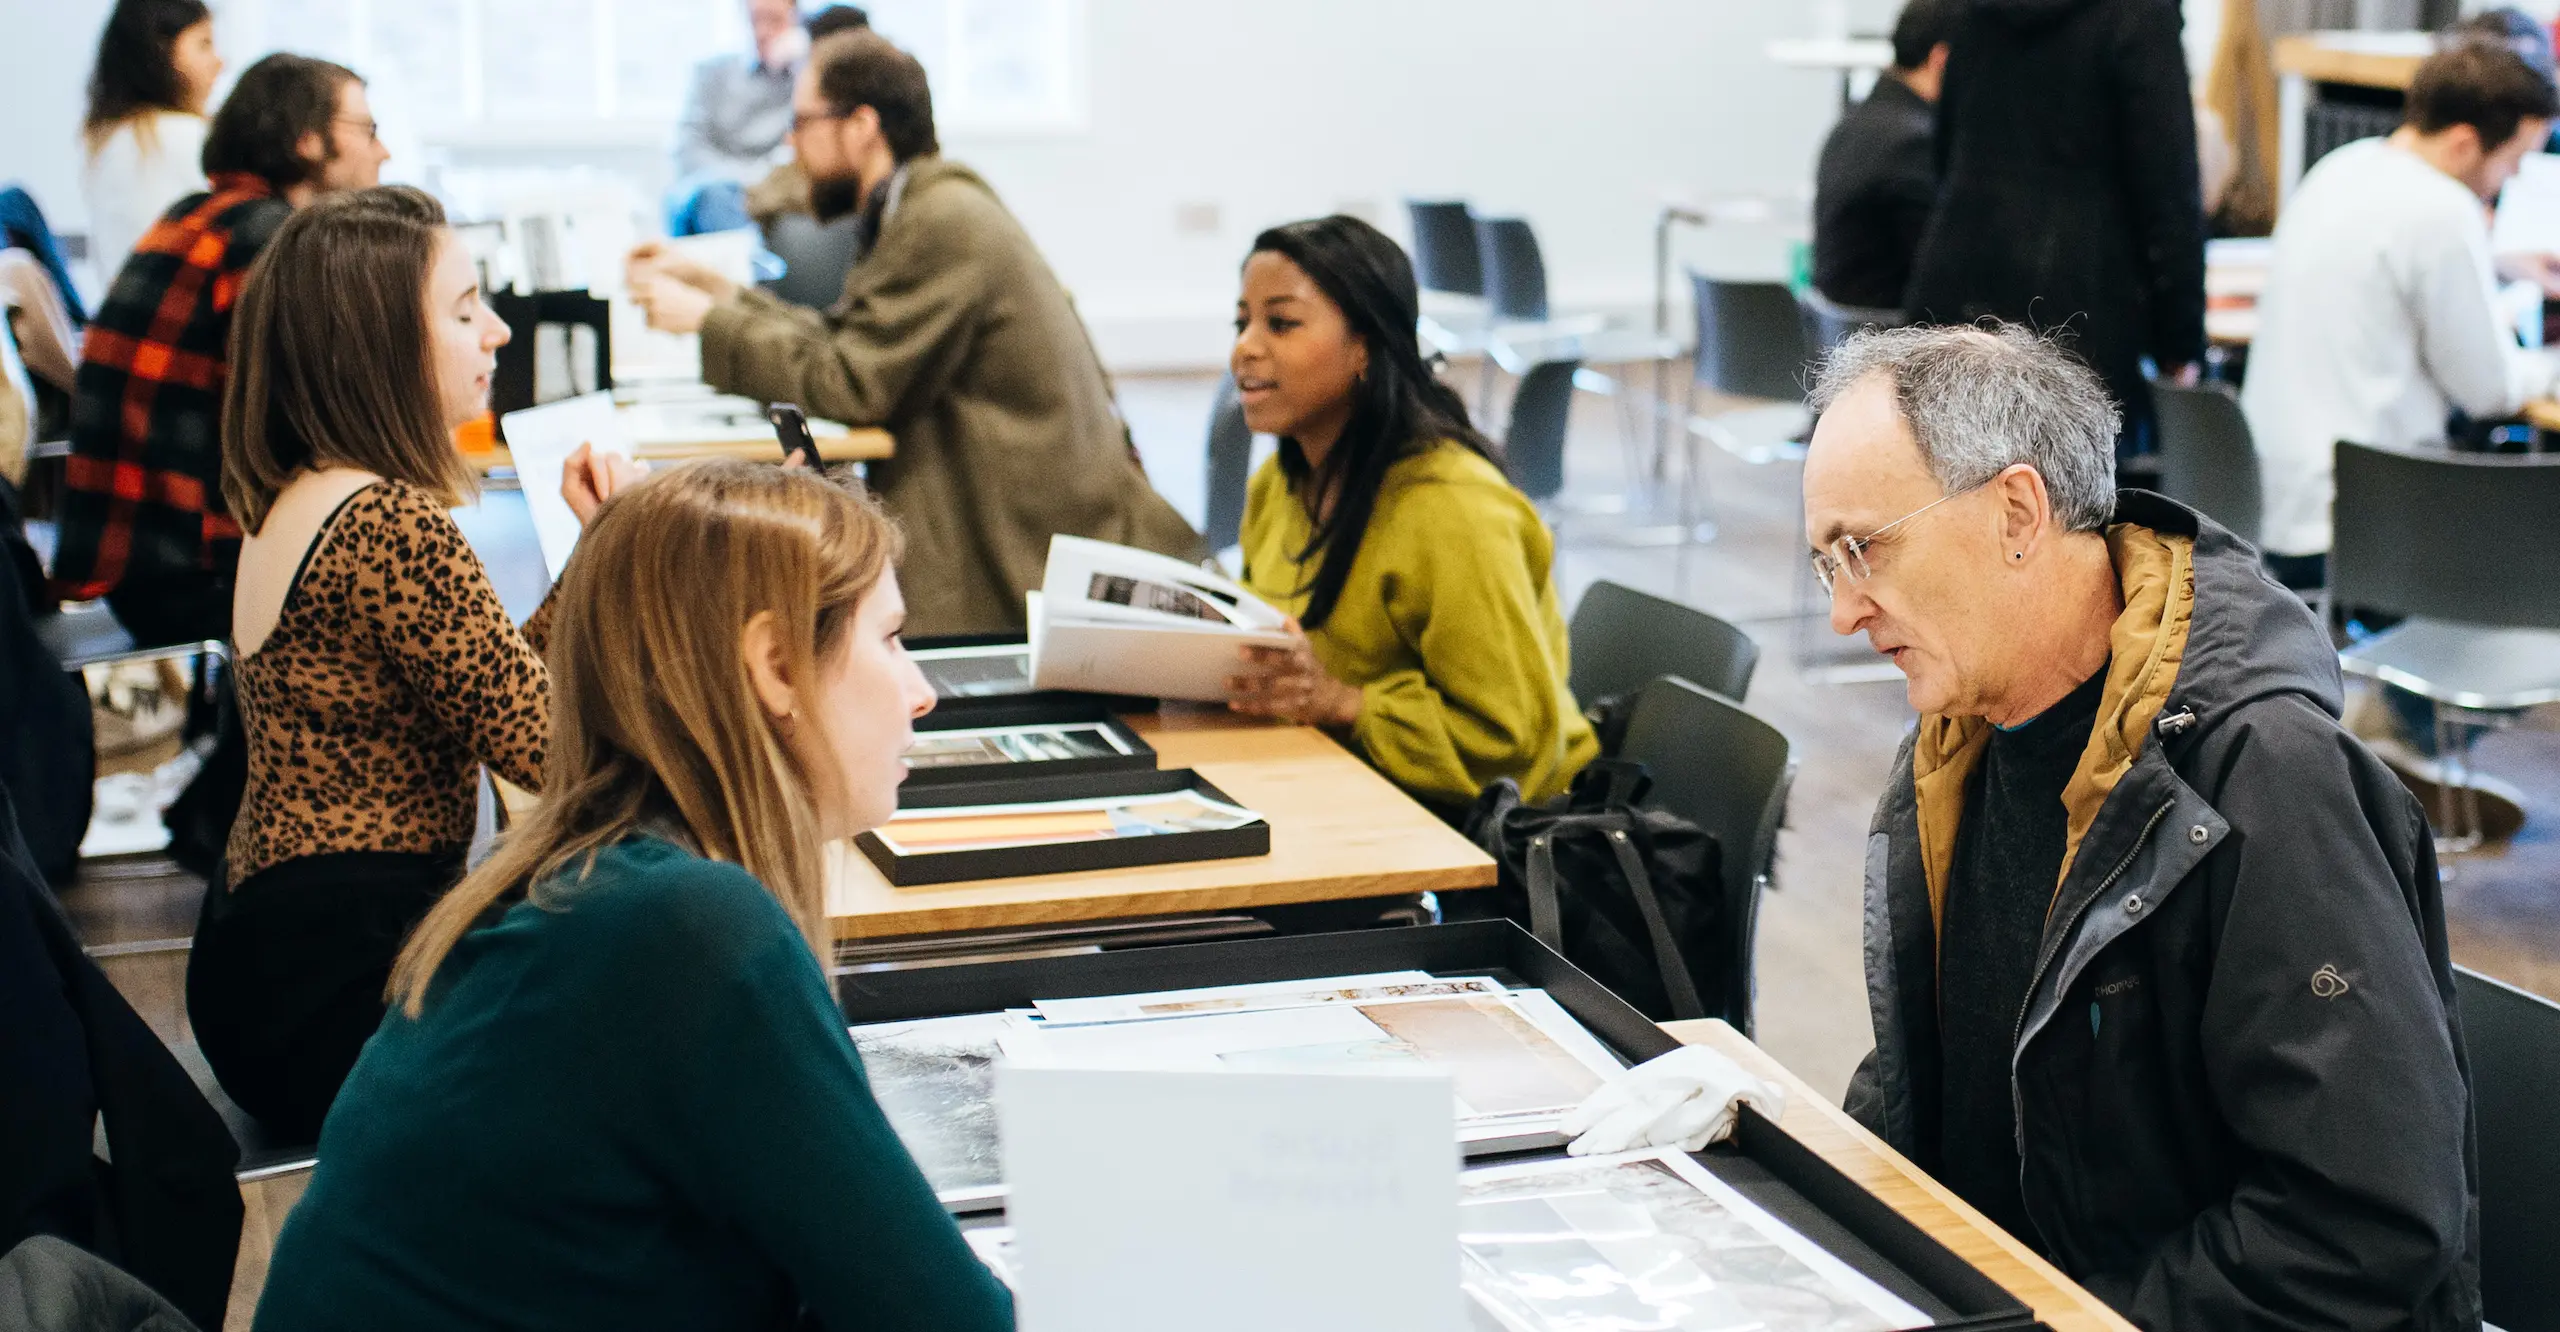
<point x="927" y="917"/>
<point x="2304" y="53"/>
<point x="1867" y="1160"/>
<point x="856" y="444"/>
<point x="2542" y="413"/>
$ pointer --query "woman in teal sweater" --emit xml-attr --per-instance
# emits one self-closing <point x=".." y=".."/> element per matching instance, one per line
<point x="614" y="1089"/>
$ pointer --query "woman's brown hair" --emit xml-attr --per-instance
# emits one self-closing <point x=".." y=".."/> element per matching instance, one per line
<point x="330" y="363"/>
<point x="655" y="723"/>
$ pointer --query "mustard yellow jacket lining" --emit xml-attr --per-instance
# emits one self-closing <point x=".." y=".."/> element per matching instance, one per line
<point x="2156" y="573"/>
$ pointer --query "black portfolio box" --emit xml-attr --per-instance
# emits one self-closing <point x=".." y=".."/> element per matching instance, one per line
<point x="1760" y="1161"/>
<point x="1029" y="710"/>
<point x="1005" y="862"/>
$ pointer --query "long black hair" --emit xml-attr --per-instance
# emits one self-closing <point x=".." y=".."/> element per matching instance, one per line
<point x="1398" y="408"/>
<point x="137" y="70"/>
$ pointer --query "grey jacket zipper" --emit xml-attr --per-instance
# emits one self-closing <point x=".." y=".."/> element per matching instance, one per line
<point x="2017" y="1099"/>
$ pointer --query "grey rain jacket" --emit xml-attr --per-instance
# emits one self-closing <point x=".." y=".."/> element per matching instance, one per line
<point x="2241" y="1091"/>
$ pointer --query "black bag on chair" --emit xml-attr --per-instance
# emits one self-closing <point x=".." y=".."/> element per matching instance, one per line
<point x="1631" y="895"/>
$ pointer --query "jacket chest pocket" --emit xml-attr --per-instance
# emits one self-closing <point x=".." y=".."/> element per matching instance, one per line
<point x="2099" y="1117"/>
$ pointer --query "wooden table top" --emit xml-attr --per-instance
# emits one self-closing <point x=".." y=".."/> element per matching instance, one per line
<point x="1832" y="1135"/>
<point x="1338" y="830"/>
<point x="2542" y="413"/>
<point x="2366" y="59"/>
<point x="864" y="444"/>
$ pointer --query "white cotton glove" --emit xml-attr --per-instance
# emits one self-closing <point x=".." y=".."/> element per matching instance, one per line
<point x="1684" y="1099"/>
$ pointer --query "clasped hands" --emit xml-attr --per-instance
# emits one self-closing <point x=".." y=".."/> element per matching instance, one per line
<point x="1288" y="683"/>
<point x="673" y="291"/>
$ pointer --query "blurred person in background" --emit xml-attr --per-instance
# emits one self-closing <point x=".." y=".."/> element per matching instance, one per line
<point x="2069" y="194"/>
<point x="146" y="125"/>
<point x="735" y="118"/>
<point x="1878" y="177"/>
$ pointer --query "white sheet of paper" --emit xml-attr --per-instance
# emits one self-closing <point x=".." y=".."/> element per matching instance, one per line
<point x="1149" y="1201"/>
<point x="541" y="439"/>
<point x="1217" y="998"/>
<point x="2528" y="218"/>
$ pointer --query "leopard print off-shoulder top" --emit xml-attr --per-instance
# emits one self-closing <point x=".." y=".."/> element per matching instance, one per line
<point x="392" y="674"/>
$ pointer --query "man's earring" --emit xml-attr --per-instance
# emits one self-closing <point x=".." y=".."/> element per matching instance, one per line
<point x="2019" y="556"/>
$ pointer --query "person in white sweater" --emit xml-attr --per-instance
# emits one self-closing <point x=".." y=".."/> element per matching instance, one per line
<point x="2380" y="314"/>
<point x="146" y="123"/>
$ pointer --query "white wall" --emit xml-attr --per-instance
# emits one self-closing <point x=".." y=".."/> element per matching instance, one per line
<point x="44" y="80"/>
<point x="1579" y="116"/>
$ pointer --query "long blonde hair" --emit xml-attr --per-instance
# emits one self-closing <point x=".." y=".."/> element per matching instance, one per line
<point x="655" y="723"/>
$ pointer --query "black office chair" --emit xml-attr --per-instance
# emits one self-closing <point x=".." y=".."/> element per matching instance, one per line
<point x="1230" y="470"/>
<point x="1622" y="640"/>
<point x="1828" y="323"/>
<point x="2207" y="458"/>
<point x="1751" y="341"/>
<point x="2453" y="541"/>
<point x="1515" y="276"/>
<point x="1445" y="257"/>
<point x="1533" y="446"/>
<point x="2514" y="1042"/>
<point x="815" y="257"/>
<point x="1727" y="771"/>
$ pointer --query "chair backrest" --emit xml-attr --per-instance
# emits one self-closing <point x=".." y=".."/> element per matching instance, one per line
<point x="1230" y="469"/>
<point x="1515" y="277"/>
<point x="514" y="381"/>
<point x="1621" y="639"/>
<point x="1726" y="771"/>
<point x="1533" y="446"/>
<point x="2207" y="459"/>
<point x="2514" y="1042"/>
<point x="1445" y="258"/>
<point x="1827" y="323"/>
<point x="1751" y="341"/>
<point x="815" y="257"/>
<point x="2452" y="536"/>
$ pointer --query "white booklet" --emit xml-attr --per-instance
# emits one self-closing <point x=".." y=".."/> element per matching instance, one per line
<point x="1117" y="620"/>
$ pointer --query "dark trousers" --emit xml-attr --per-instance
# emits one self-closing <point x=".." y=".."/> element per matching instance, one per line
<point x="285" y="984"/>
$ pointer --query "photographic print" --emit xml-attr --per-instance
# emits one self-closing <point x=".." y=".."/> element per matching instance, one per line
<point x="935" y="1080"/>
<point x="986" y="827"/>
<point x="1651" y="1241"/>
<point x="976" y="672"/>
<point x="1013" y="744"/>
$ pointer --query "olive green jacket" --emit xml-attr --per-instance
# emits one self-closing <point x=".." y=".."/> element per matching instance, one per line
<point x="954" y="336"/>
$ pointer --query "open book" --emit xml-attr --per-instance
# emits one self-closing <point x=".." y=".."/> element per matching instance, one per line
<point x="1116" y="620"/>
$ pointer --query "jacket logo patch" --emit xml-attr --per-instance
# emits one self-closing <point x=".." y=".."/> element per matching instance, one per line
<point x="2327" y="983"/>
<point x="2115" y="987"/>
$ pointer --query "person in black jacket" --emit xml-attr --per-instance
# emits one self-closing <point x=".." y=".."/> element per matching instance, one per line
<point x="2068" y="191"/>
<point x="75" y="1056"/>
<point x="1878" y="179"/>
<point x="2156" y="949"/>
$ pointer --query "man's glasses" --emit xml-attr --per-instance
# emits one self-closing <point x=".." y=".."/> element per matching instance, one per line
<point x="372" y="128"/>
<point x="1847" y="557"/>
<point x="802" y="120"/>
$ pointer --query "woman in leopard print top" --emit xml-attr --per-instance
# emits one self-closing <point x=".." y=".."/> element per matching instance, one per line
<point x="377" y="670"/>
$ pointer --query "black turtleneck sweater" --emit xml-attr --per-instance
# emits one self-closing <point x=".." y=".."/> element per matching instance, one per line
<point x="2008" y="860"/>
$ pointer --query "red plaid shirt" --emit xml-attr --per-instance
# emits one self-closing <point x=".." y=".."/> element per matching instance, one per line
<point x="144" y="492"/>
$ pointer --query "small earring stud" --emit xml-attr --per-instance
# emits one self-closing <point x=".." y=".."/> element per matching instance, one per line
<point x="2019" y="555"/>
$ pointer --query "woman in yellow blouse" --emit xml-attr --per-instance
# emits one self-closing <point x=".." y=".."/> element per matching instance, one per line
<point x="1431" y="634"/>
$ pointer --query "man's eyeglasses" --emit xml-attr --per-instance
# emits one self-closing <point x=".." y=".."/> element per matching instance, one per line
<point x="802" y="120"/>
<point x="372" y="128"/>
<point x="1847" y="556"/>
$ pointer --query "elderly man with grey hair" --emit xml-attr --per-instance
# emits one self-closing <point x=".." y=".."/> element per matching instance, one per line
<point x="2155" y="949"/>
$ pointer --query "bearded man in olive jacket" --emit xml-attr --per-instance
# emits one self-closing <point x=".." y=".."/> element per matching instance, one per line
<point x="952" y="334"/>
